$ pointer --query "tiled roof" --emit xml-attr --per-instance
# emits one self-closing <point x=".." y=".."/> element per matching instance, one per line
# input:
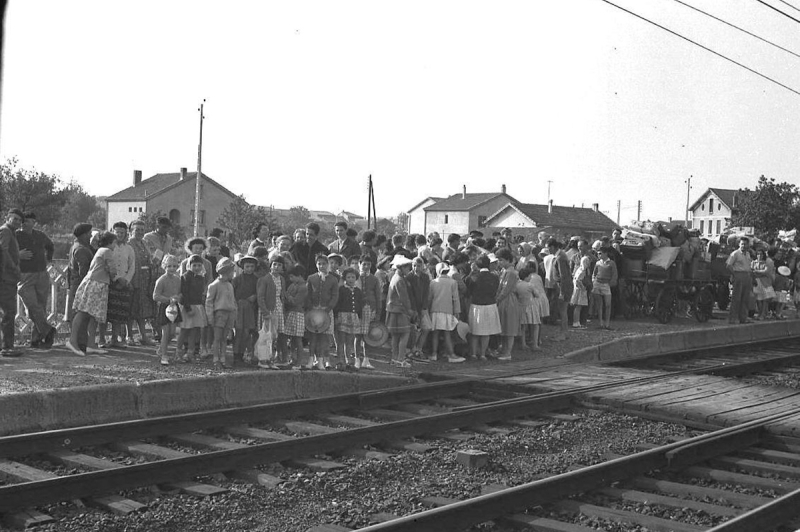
<point x="573" y="217"/>
<point x="434" y="199"/>
<point x="158" y="184"/>
<point x="725" y="195"/>
<point x="459" y="202"/>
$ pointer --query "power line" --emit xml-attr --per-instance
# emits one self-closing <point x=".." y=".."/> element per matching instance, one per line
<point x="705" y="48"/>
<point x="778" y="10"/>
<point x="788" y="4"/>
<point x="738" y="28"/>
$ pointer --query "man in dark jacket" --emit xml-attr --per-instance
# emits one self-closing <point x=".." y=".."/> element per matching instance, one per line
<point x="34" y="284"/>
<point x="9" y="277"/>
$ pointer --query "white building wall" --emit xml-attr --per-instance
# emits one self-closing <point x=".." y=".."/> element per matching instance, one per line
<point x="446" y="223"/>
<point x="416" y="219"/>
<point x="709" y="221"/>
<point x="123" y="211"/>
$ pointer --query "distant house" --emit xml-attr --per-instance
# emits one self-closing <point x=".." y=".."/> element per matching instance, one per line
<point x="556" y="220"/>
<point x="323" y="216"/>
<point x="349" y="217"/>
<point x="415" y="220"/>
<point x="458" y="213"/>
<point x="173" y="195"/>
<point x="711" y="213"/>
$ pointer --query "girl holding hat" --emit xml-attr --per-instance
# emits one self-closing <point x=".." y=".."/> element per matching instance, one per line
<point x="166" y="293"/>
<point x="399" y="312"/>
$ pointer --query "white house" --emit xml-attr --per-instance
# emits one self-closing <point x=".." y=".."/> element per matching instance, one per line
<point x="711" y="213"/>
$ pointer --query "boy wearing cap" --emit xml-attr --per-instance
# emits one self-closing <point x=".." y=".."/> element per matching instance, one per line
<point x="245" y="291"/>
<point x="221" y="308"/>
<point x="399" y="311"/>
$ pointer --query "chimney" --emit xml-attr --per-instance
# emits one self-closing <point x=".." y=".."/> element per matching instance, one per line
<point x="464" y="193"/>
<point x="550" y="207"/>
<point x="183" y="174"/>
<point x="137" y="177"/>
<point x="502" y="189"/>
<point x="595" y="207"/>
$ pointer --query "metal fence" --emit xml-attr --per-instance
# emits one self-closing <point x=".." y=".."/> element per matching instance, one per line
<point x="56" y="305"/>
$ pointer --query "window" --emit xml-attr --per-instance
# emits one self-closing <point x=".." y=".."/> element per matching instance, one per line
<point x="710" y="205"/>
<point x="130" y="209"/>
<point x="719" y="227"/>
<point x="481" y="221"/>
<point x="446" y="218"/>
<point x="702" y="222"/>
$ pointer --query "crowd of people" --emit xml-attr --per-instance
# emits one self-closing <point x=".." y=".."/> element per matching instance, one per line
<point x="472" y="297"/>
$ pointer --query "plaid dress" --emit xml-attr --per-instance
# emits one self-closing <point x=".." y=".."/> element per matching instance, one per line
<point x="278" y="314"/>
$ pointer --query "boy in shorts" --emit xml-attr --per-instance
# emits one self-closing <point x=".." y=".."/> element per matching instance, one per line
<point x="221" y="309"/>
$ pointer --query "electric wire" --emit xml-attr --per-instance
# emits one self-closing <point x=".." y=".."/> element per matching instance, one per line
<point x="788" y="4"/>
<point x="706" y="48"/>
<point x="787" y="15"/>
<point x="738" y="28"/>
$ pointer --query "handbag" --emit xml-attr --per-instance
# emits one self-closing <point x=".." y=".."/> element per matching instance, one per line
<point x="263" y="349"/>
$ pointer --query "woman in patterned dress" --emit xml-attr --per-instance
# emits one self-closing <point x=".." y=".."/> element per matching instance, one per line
<point x="142" y="307"/>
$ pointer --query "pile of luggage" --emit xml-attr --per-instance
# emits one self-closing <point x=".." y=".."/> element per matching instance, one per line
<point x="665" y="250"/>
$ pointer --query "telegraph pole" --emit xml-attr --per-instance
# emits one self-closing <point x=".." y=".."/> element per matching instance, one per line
<point x="688" y="191"/>
<point x="199" y="174"/>
<point x="619" y="208"/>
<point x="639" y="210"/>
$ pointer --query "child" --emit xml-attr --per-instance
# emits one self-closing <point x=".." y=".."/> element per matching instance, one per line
<point x="244" y="290"/>
<point x="270" y="296"/>
<point x="445" y="306"/>
<point x="193" y="295"/>
<point x="530" y="321"/>
<point x="277" y="269"/>
<point x="295" y="323"/>
<point x="348" y="313"/>
<point x="91" y="297"/>
<point x="199" y="246"/>
<point x="796" y="293"/>
<point x="603" y="278"/>
<point x="399" y="311"/>
<point x="323" y="293"/>
<point x="371" y="288"/>
<point x="540" y="300"/>
<point x="384" y="275"/>
<point x="221" y="309"/>
<point x="483" y="317"/>
<point x="782" y="286"/>
<point x="167" y="292"/>
<point x="419" y="284"/>
<point x="580" y="296"/>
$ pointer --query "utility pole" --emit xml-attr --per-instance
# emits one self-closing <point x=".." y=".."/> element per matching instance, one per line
<point x="639" y="210"/>
<point x="619" y="208"/>
<point x="548" y="191"/>
<point x="199" y="174"/>
<point x="688" y="191"/>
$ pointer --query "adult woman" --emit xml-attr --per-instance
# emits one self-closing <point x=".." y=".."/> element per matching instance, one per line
<point x="507" y="301"/>
<point x="142" y="307"/>
<point x="484" y="320"/>
<point x="764" y="273"/>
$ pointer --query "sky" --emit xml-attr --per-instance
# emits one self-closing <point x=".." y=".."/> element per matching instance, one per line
<point x="572" y="100"/>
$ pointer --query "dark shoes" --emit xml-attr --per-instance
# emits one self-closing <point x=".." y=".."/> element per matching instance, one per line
<point x="10" y="353"/>
<point x="47" y="343"/>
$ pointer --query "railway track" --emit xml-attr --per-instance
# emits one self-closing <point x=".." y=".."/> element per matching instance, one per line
<point x="95" y="463"/>
<point x="687" y="478"/>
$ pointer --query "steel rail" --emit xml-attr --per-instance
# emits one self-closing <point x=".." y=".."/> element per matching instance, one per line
<point x="109" y="481"/>
<point x="463" y="514"/>
<point x="39" y="442"/>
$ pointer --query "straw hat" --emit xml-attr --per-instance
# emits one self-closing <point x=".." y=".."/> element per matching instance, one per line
<point x="784" y="270"/>
<point x="317" y="320"/>
<point x="241" y="261"/>
<point x="400" y="260"/>
<point x="378" y="334"/>
<point x="462" y="330"/>
<point x="442" y="268"/>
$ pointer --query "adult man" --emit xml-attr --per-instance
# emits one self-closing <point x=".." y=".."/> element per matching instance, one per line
<point x="9" y="277"/>
<point x="34" y="282"/>
<point x="315" y="247"/>
<point x="562" y="279"/>
<point x="738" y="265"/>
<point x="451" y="250"/>
<point x="584" y="250"/>
<point x="344" y="245"/>
<point x="261" y="237"/>
<point x="159" y="242"/>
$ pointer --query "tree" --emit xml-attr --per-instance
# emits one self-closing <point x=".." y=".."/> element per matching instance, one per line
<point x="769" y="208"/>
<point x="30" y="190"/>
<point x="298" y="218"/>
<point x="385" y="226"/>
<point x="240" y="218"/>
<point x="79" y="206"/>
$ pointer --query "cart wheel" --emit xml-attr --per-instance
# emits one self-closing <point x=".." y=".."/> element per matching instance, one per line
<point x="723" y="294"/>
<point x="704" y="304"/>
<point x="666" y="304"/>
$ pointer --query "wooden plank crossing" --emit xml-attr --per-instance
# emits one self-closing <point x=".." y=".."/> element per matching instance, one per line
<point x="707" y="399"/>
